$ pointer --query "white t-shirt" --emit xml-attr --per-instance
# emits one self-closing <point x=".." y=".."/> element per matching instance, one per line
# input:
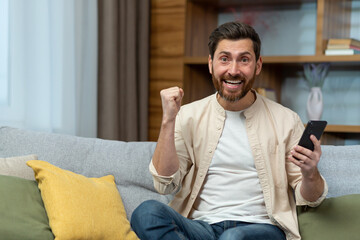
<point x="232" y="190"/>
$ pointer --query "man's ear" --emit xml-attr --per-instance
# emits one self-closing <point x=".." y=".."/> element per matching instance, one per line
<point x="258" y="65"/>
<point x="210" y="64"/>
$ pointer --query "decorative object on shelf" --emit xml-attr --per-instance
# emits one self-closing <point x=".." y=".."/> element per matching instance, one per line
<point x="249" y="16"/>
<point x="315" y="76"/>
<point x="267" y="92"/>
<point x="314" y="107"/>
<point x="253" y="16"/>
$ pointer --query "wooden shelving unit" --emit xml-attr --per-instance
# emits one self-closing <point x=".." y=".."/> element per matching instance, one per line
<point x="197" y="18"/>
<point x="342" y="129"/>
<point x="333" y="20"/>
<point x="354" y="60"/>
<point x="339" y="60"/>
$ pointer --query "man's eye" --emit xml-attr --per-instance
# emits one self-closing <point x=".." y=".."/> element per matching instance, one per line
<point x="223" y="59"/>
<point x="244" y="60"/>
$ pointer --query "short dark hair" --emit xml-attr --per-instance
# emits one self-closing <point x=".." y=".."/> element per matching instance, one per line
<point x="234" y="31"/>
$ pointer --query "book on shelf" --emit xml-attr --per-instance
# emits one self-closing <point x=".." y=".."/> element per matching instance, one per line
<point x="344" y="41"/>
<point x="330" y="52"/>
<point x="267" y="92"/>
<point x="343" y="46"/>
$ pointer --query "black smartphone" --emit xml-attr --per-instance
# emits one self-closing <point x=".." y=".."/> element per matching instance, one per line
<point x="315" y="128"/>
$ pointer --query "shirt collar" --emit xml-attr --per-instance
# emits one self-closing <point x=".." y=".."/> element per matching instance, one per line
<point x="255" y="107"/>
<point x="248" y="112"/>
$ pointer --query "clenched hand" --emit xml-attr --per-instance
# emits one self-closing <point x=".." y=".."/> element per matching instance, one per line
<point x="171" y="102"/>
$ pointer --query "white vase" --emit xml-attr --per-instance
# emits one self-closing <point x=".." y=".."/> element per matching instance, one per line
<point x="315" y="104"/>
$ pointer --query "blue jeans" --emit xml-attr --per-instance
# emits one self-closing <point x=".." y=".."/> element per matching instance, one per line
<point x="153" y="220"/>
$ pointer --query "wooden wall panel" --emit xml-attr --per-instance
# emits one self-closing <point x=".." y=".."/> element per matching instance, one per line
<point x="166" y="55"/>
<point x="196" y="85"/>
<point x="201" y="21"/>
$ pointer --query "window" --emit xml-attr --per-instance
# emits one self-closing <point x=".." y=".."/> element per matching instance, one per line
<point x="4" y="52"/>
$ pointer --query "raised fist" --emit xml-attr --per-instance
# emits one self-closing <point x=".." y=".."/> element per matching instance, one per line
<point x="171" y="102"/>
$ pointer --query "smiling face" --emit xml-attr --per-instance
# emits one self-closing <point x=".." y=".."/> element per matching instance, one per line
<point x="233" y="70"/>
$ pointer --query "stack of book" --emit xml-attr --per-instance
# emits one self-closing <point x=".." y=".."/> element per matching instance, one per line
<point x="267" y="92"/>
<point x="342" y="46"/>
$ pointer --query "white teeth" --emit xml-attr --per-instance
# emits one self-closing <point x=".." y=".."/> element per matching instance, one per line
<point x="233" y="82"/>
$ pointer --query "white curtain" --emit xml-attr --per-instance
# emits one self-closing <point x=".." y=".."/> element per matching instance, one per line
<point x="52" y="66"/>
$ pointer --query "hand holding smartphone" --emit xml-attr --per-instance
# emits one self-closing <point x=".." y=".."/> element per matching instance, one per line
<point x="315" y="128"/>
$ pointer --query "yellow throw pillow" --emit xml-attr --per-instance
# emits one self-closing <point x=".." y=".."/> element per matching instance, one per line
<point x="79" y="207"/>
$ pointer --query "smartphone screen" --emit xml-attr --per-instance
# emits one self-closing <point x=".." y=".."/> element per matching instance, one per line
<point x="315" y="128"/>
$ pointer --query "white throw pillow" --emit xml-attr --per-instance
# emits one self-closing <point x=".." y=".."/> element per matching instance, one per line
<point x="16" y="166"/>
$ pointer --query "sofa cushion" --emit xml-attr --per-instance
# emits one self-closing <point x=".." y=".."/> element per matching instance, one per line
<point x="79" y="207"/>
<point x="92" y="157"/>
<point x="16" y="166"/>
<point x="335" y="218"/>
<point x="23" y="215"/>
<point x="340" y="167"/>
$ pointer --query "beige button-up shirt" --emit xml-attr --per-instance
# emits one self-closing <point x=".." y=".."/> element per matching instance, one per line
<point x="273" y="131"/>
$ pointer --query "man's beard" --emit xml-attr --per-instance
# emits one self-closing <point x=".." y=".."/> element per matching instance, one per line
<point x="218" y="84"/>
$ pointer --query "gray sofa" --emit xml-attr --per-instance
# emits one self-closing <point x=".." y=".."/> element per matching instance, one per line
<point x="128" y="162"/>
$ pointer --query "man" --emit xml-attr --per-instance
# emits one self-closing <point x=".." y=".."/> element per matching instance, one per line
<point x="230" y="157"/>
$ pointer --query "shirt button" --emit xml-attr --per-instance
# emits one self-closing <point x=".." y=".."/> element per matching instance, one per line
<point x="201" y="175"/>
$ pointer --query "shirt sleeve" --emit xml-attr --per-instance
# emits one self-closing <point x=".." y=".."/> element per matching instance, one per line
<point x="294" y="172"/>
<point x="164" y="184"/>
<point x="170" y="184"/>
<point x="300" y="201"/>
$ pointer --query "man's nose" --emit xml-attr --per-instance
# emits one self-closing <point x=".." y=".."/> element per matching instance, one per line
<point x="234" y="69"/>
